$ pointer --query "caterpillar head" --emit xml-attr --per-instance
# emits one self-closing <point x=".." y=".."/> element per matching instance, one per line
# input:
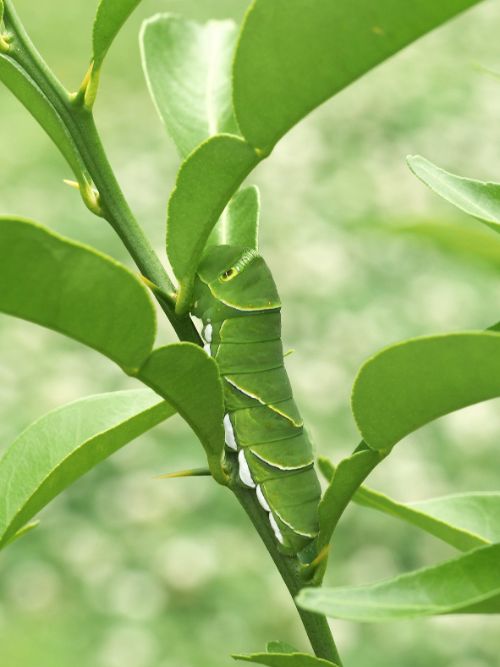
<point x="239" y="278"/>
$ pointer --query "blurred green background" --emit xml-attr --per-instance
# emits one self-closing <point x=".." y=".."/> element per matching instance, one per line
<point x="130" y="571"/>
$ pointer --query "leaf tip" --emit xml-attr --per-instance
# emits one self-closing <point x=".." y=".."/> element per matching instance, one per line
<point x="415" y="160"/>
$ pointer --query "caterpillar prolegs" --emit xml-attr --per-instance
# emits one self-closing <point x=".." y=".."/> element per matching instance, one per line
<point x="238" y="303"/>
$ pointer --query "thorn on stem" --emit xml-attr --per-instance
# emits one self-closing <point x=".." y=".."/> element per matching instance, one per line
<point x="168" y="296"/>
<point x="86" y="94"/>
<point x="72" y="184"/>
<point x="89" y="195"/>
<point x="5" y="40"/>
<point x="149" y="283"/>
<point x="194" y="472"/>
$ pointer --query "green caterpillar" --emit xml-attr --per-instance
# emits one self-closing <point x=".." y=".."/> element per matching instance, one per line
<point x="236" y="298"/>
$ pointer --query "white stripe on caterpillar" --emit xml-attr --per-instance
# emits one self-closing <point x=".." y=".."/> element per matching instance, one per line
<point x="245" y="474"/>
<point x="208" y="349"/>
<point x="277" y="531"/>
<point x="229" y="434"/>
<point x="262" y="500"/>
<point x="207" y="333"/>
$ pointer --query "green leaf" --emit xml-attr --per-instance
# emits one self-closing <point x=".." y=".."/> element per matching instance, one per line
<point x="284" y="660"/>
<point x="280" y="647"/>
<point x="479" y="199"/>
<point x="462" y="241"/>
<point x="110" y="17"/>
<point x="469" y="584"/>
<point x="188" y="70"/>
<point x="466" y="521"/>
<point x="35" y="101"/>
<point x="239" y="224"/>
<point x="189" y="379"/>
<point x="63" y="445"/>
<point x="206" y="182"/>
<point x="414" y="382"/>
<point x="294" y="54"/>
<point x="346" y="479"/>
<point x="21" y="533"/>
<point x="74" y="290"/>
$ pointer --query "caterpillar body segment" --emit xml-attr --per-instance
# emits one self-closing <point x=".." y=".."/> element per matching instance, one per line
<point x="238" y="303"/>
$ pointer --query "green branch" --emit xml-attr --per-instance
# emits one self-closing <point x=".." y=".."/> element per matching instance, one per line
<point x="315" y="625"/>
<point x="113" y="206"/>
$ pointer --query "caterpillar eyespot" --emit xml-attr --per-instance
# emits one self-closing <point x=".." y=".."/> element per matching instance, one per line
<point x="264" y="432"/>
<point x="228" y="275"/>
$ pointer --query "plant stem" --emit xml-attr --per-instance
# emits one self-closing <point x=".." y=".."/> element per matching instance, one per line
<point x="118" y="213"/>
<point x="81" y="126"/>
<point x="315" y="625"/>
